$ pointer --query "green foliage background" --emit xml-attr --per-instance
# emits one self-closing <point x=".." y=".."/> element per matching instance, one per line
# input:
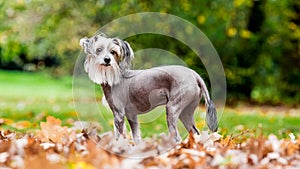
<point x="257" y="40"/>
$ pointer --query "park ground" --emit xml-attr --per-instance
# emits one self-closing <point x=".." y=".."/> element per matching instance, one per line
<point x="38" y="128"/>
<point x="28" y="98"/>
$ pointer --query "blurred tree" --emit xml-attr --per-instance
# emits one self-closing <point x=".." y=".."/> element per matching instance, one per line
<point x="257" y="40"/>
<point x="44" y="31"/>
<point x="279" y="56"/>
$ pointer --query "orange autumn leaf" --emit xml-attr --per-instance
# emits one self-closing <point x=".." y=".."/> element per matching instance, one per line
<point x="40" y="161"/>
<point x="53" y="121"/>
<point x="226" y="143"/>
<point x="100" y="158"/>
<point x="191" y="141"/>
<point x="51" y="130"/>
<point x="22" y="125"/>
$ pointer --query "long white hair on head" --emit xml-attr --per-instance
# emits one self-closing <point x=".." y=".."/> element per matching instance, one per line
<point x="110" y="75"/>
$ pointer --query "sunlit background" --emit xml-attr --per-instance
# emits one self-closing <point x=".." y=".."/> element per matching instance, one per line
<point x="257" y="41"/>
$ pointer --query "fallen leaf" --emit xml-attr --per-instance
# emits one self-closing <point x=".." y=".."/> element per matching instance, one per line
<point x="81" y="165"/>
<point x="52" y="131"/>
<point x="40" y="160"/>
<point x="22" y="125"/>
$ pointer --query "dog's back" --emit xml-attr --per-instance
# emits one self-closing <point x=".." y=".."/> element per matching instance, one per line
<point x="156" y="86"/>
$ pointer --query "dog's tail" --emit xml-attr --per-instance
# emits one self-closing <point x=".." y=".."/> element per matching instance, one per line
<point x="211" y="113"/>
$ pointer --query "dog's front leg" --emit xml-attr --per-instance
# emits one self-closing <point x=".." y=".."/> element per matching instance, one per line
<point x="134" y="126"/>
<point x="119" y="125"/>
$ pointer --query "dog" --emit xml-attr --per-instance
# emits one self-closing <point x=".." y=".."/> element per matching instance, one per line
<point x="133" y="92"/>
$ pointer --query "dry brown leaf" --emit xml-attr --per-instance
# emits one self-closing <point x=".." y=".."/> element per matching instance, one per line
<point x="190" y="142"/>
<point x="21" y="125"/>
<point x="87" y="149"/>
<point x="7" y="135"/>
<point x="226" y="143"/>
<point x="40" y="161"/>
<point x="4" y="146"/>
<point x="100" y="158"/>
<point x="151" y="161"/>
<point x="52" y="131"/>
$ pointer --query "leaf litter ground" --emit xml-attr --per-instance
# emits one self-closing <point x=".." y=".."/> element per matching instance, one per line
<point x="59" y="147"/>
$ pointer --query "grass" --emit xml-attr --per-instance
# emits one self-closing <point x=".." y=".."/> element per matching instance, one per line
<point x="28" y="98"/>
<point x="280" y="124"/>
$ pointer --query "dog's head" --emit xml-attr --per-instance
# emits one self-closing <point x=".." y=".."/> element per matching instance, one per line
<point x="106" y="58"/>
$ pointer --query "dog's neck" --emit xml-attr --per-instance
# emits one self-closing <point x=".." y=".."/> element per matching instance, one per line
<point x="106" y="89"/>
<point x="125" y="74"/>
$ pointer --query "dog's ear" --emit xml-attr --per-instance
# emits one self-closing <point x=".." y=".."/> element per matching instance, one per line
<point x="128" y="55"/>
<point x="126" y="52"/>
<point x="96" y="37"/>
<point x="86" y="64"/>
<point x="85" y="45"/>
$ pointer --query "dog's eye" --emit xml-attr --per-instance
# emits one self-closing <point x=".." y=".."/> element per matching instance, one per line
<point x="98" y="50"/>
<point x="113" y="52"/>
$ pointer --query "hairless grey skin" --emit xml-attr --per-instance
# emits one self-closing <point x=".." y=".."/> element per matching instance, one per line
<point x="132" y="92"/>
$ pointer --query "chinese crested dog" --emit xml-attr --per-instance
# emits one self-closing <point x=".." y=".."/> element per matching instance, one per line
<point x="132" y="92"/>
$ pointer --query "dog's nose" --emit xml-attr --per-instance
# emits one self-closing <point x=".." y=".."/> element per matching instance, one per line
<point x="107" y="60"/>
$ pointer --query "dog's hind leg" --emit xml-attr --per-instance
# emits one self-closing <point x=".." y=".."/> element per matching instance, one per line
<point x="187" y="117"/>
<point x="173" y="112"/>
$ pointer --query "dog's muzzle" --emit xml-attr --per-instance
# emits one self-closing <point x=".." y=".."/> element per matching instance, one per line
<point x="106" y="61"/>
